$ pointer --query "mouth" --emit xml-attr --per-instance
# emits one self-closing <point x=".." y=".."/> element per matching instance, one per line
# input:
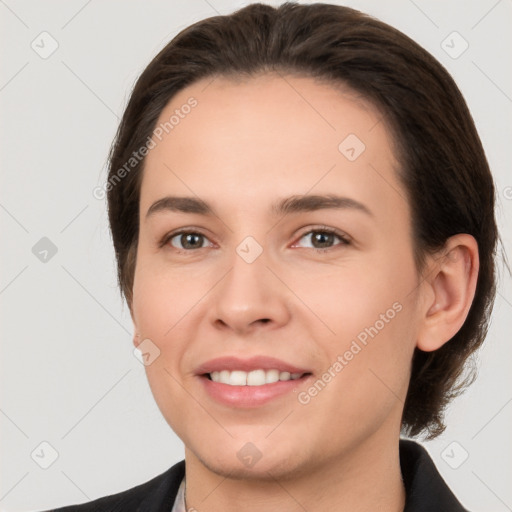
<point x="258" y="377"/>
<point x="249" y="383"/>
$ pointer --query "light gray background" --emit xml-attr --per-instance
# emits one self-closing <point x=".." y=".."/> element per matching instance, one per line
<point x="69" y="376"/>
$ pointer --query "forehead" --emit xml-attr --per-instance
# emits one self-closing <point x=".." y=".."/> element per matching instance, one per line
<point x="270" y="101"/>
<point x="273" y="131"/>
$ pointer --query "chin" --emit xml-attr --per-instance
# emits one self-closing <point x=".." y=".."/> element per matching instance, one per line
<point x="249" y="463"/>
<point x="262" y="471"/>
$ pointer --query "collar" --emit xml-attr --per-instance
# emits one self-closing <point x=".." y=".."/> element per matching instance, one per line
<point x="424" y="487"/>
<point x="179" y="502"/>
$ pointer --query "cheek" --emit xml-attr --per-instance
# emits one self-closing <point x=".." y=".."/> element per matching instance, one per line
<point x="353" y="299"/>
<point x="158" y="308"/>
<point x="371" y="311"/>
<point x="159" y="300"/>
<point x="164" y="305"/>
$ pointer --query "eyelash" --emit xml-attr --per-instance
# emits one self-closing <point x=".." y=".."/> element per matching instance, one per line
<point x="344" y="239"/>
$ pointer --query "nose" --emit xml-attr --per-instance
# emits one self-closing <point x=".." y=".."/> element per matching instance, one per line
<point x="250" y="297"/>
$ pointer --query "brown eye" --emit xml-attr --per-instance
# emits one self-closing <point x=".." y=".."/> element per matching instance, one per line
<point x="186" y="240"/>
<point x="323" y="239"/>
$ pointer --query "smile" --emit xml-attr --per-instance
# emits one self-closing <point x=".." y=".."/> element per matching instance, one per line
<point x="257" y="377"/>
<point x="250" y="382"/>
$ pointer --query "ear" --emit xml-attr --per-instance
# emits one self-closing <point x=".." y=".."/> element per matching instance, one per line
<point x="136" y="340"/>
<point x="448" y="292"/>
<point x="136" y="334"/>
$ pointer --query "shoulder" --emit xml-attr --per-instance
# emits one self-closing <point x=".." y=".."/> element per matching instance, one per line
<point x="155" y="494"/>
<point x="425" y="488"/>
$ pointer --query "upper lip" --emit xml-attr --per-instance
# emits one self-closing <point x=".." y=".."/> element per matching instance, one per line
<point x="253" y="363"/>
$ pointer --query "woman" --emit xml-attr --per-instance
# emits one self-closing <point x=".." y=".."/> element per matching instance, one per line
<point x="303" y="220"/>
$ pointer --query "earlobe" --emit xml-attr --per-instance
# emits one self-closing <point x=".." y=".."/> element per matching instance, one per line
<point x="136" y="339"/>
<point x="452" y="284"/>
<point x="136" y="334"/>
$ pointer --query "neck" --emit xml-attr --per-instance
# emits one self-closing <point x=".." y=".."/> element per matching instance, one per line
<point x="368" y="477"/>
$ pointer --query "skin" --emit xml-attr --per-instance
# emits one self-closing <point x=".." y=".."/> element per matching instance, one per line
<point x="245" y="145"/>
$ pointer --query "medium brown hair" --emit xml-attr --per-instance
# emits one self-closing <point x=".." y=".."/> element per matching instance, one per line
<point x="443" y="166"/>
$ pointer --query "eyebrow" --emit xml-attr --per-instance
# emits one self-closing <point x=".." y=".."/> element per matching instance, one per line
<point x="286" y="206"/>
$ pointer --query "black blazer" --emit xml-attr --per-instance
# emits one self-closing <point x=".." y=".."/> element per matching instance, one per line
<point x="426" y="491"/>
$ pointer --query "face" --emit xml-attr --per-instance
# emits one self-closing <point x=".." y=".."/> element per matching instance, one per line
<point x="318" y="294"/>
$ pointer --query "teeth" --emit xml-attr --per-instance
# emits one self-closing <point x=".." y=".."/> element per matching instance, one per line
<point x="237" y="378"/>
<point x="253" y="378"/>
<point x="271" y="376"/>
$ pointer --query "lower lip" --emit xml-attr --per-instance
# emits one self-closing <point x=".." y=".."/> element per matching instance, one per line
<point x="249" y="396"/>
